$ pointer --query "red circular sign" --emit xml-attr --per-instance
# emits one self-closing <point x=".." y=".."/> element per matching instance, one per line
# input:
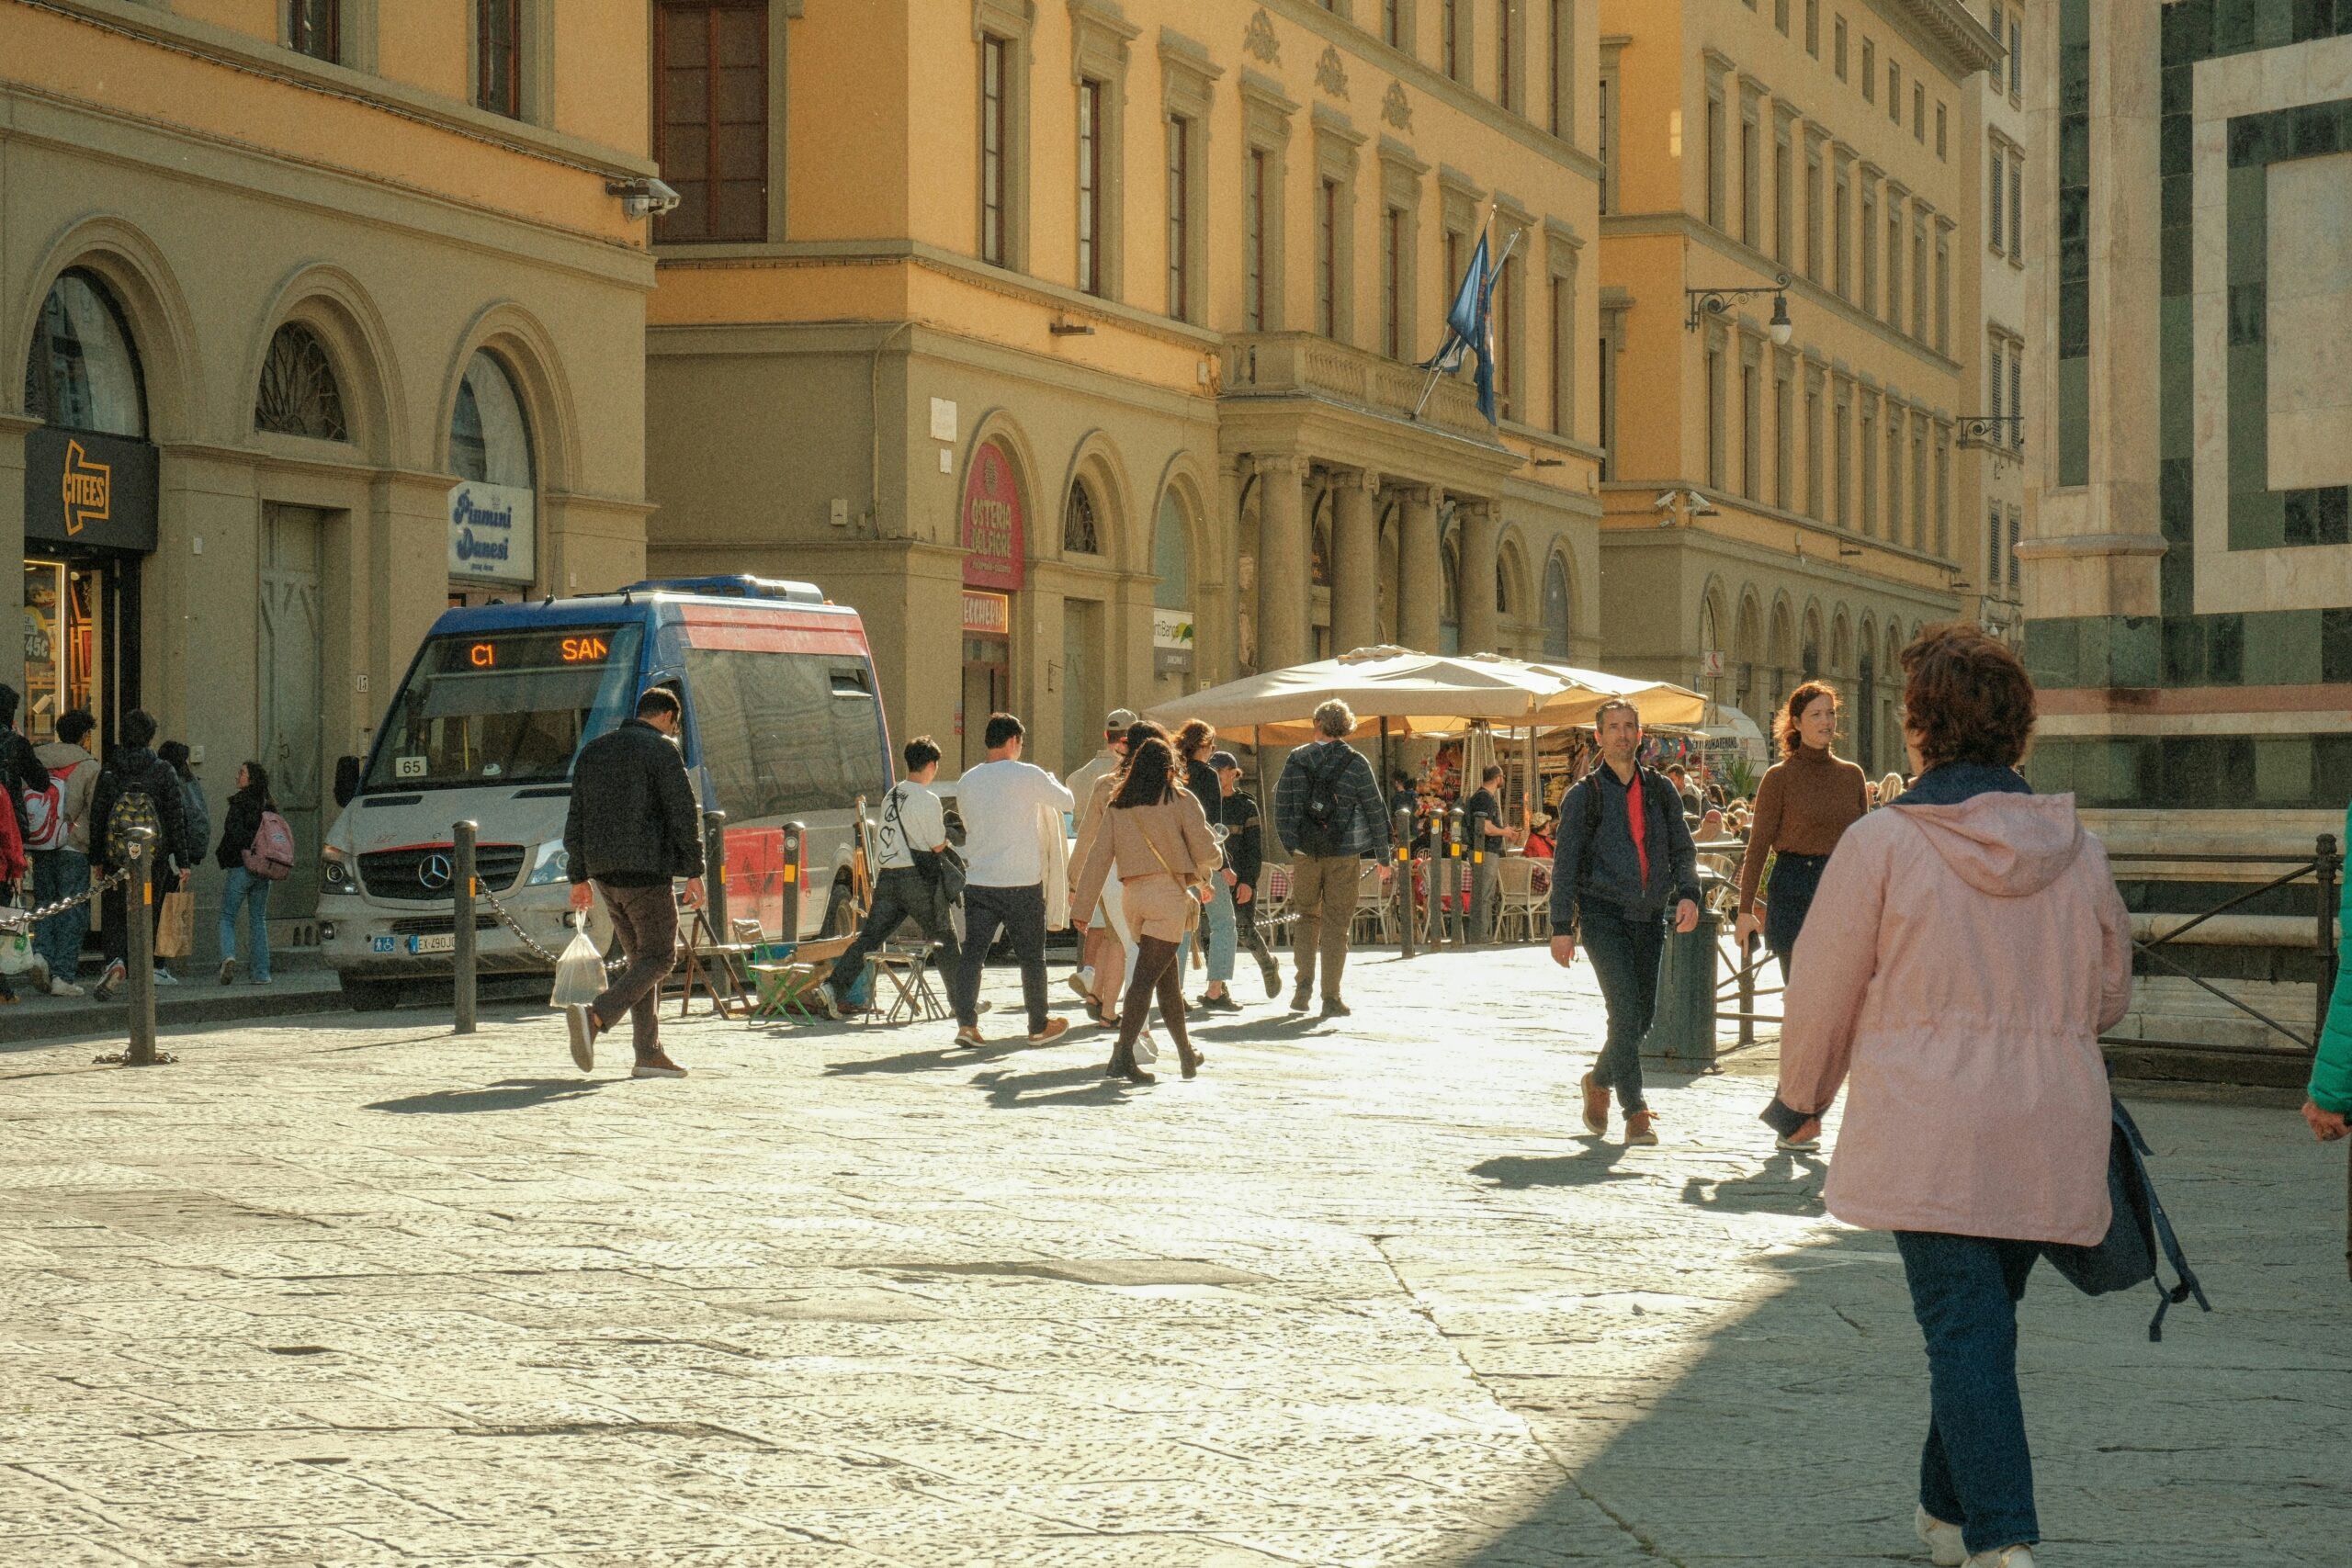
<point x="992" y="523"/>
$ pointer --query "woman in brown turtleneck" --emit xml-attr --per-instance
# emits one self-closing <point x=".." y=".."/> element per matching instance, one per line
<point x="1806" y="804"/>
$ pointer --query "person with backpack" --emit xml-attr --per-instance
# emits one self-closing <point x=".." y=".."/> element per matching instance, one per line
<point x="196" y="821"/>
<point x="136" y="789"/>
<point x="1329" y="814"/>
<point x="24" y="777"/>
<point x="1623" y="858"/>
<point x="256" y="849"/>
<point x="57" y="832"/>
<point x="1965" y="952"/>
<point x="919" y="876"/>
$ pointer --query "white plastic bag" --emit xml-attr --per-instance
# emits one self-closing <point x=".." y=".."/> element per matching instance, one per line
<point x="579" y="974"/>
<point x="1147" y="1049"/>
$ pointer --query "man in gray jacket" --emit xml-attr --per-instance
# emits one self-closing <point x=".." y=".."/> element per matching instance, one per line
<point x="1624" y="853"/>
<point x="1330" y="813"/>
<point x="632" y="828"/>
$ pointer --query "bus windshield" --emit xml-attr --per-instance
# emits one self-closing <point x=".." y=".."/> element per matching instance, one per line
<point x="505" y="707"/>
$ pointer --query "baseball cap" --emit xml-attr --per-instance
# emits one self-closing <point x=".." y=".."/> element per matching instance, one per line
<point x="1222" y="759"/>
<point x="1120" y="721"/>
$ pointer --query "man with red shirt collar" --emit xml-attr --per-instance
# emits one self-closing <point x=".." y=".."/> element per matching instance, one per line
<point x="1622" y="855"/>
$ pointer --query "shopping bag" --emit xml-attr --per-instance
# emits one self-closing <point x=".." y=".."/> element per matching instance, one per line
<point x="1147" y="1049"/>
<point x="175" y="938"/>
<point x="16" y="953"/>
<point x="579" y="974"/>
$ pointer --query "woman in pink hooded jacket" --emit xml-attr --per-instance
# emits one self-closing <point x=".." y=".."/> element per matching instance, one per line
<point x="1965" y="952"/>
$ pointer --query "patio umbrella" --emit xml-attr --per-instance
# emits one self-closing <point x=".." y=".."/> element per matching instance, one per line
<point x="1582" y="692"/>
<point x="1394" y="691"/>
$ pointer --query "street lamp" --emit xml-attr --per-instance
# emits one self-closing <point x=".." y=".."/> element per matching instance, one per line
<point x="1706" y="302"/>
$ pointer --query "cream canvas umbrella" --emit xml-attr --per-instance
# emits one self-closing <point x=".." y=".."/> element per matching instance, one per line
<point x="1582" y="692"/>
<point x="1394" y="691"/>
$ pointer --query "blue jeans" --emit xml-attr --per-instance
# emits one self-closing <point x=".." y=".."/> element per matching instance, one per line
<point x="1975" y="1471"/>
<point x="1224" y="930"/>
<point x="56" y="874"/>
<point x="246" y="890"/>
<point x="1625" y="949"/>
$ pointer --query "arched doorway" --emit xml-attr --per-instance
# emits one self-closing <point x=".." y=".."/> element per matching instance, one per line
<point x="90" y="508"/>
<point x="1555" y="609"/>
<point x="1173" y="649"/>
<point x="992" y="528"/>
<point x="493" y="507"/>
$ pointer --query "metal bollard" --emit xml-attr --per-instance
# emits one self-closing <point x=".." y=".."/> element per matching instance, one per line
<point x="1404" y="826"/>
<point x="461" y="901"/>
<point x="1473" y="904"/>
<point x="714" y="875"/>
<point x="139" y="917"/>
<point x="796" y="835"/>
<point x="1748" y="961"/>
<point x="1682" y="1032"/>
<point x="1453" y="888"/>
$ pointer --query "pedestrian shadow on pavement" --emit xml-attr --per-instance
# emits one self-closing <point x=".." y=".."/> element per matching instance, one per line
<point x="1596" y="1163"/>
<point x="1026" y="1091"/>
<point x="507" y="1094"/>
<point x="1785" y="1184"/>
<point x="929" y="1060"/>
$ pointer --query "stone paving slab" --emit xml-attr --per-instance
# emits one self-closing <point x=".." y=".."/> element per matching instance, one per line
<point x="357" y="1291"/>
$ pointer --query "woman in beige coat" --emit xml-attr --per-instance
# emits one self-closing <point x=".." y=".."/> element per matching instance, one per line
<point x="1155" y="838"/>
<point x="1965" y="953"/>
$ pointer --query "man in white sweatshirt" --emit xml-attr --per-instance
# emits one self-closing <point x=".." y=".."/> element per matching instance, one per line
<point x="1002" y="802"/>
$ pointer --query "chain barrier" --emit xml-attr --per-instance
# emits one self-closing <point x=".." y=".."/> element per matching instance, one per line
<point x="612" y="966"/>
<point x="13" y="920"/>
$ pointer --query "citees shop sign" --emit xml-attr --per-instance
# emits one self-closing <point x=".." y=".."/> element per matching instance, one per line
<point x="494" y="532"/>
<point x="89" y="490"/>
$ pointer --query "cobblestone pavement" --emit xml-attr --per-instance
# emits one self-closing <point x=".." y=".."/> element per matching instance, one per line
<point x="358" y="1292"/>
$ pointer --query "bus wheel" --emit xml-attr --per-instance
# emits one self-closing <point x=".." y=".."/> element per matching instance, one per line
<point x="841" y="915"/>
<point x="371" y="996"/>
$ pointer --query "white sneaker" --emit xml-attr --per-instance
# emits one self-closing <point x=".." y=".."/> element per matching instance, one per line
<point x="2004" y="1557"/>
<point x="63" y="988"/>
<point x="1081" y="984"/>
<point x="165" y="977"/>
<point x="1942" y="1541"/>
<point x="824" y="1001"/>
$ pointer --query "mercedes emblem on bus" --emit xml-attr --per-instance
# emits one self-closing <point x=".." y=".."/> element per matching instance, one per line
<point x="434" y="872"/>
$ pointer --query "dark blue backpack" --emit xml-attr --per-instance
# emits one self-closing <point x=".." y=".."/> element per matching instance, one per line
<point x="2127" y="1254"/>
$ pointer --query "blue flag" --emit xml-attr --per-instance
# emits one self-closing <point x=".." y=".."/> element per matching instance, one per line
<point x="1466" y="320"/>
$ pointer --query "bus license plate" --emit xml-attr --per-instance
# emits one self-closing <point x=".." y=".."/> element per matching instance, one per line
<point x="446" y="942"/>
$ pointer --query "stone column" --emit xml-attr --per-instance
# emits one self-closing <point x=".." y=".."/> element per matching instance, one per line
<point x="1282" y="562"/>
<point x="1481" y="532"/>
<point x="1355" y="563"/>
<point x="1216" y="638"/>
<point x="1419" y="575"/>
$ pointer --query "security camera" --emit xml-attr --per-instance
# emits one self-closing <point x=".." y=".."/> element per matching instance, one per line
<point x="1701" y="506"/>
<point x="643" y="198"/>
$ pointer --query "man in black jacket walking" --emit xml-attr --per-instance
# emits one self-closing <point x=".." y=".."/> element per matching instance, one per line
<point x="633" y="826"/>
<point x="1624" y="854"/>
<point x="137" y="789"/>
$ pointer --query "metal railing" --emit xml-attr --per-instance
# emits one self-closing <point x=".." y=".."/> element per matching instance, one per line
<point x="2325" y="866"/>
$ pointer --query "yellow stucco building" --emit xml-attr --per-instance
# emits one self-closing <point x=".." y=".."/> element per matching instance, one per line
<point x="1785" y="505"/>
<point x="316" y="315"/>
<point x="1072" y="341"/>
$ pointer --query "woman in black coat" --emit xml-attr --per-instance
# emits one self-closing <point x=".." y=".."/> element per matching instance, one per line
<point x="243" y="889"/>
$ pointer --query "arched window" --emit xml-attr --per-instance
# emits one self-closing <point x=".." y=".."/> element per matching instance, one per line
<point x="490" y="438"/>
<point x="298" y="395"/>
<point x="83" y="373"/>
<point x="1171" y="556"/>
<point x="1079" y="534"/>
<point x="1555" y="609"/>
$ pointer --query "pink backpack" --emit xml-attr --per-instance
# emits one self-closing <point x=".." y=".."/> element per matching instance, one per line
<point x="271" y="854"/>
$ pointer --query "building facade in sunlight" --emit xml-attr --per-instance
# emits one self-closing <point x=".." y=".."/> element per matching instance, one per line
<point x="1776" y="509"/>
<point x="315" y="318"/>
<point x="1073" y="342"/>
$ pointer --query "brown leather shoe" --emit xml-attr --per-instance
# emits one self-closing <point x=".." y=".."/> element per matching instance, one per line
<point x="1596" y="1107"/>
<point x="1055" y="1028"/>
<point x="657" y="1066"/>
<point x="1641" y="1130"/>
